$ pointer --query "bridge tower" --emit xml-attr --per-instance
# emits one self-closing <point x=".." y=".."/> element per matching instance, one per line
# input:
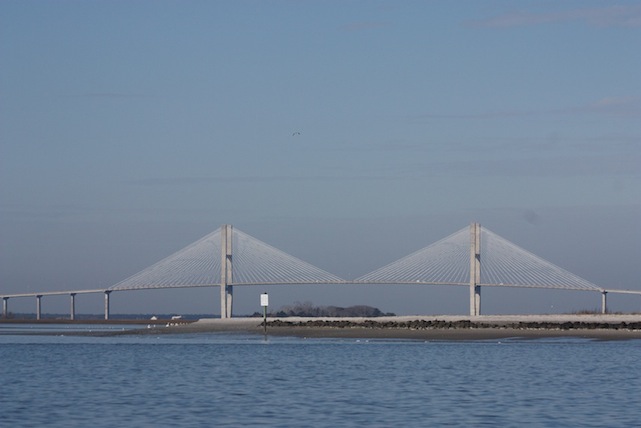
<point x="107" y="293"/>
<point x="72" y="309"/>
<point x="475" y="269"/>
<point x="226" y="290"/>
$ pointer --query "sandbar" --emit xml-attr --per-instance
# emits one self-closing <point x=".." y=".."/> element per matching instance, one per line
<point x="421" y="327"/>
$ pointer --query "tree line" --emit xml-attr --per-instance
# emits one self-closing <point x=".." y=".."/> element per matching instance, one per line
<point x="307" y="309"/>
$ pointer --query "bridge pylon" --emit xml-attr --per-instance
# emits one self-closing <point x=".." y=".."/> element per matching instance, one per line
<point x="475" y="269"/>
<point x="226" y="271"/>
<point x="107" y="293"/>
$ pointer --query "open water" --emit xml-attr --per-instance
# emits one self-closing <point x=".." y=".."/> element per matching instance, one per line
<point x="207" y="380"/>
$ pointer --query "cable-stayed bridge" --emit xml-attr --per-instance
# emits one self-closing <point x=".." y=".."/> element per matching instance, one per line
<point x="473" y="257"/>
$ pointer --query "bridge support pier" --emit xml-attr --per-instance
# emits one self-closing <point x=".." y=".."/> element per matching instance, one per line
<point x="475" y="269"/>
<point x="604" y="302"/>
<point x="226" y="271"/>
<point x="38" y="307"/>
<point x="107" y="293"/>
<point x="5" y="307"/>
<point x="72" y="311"/>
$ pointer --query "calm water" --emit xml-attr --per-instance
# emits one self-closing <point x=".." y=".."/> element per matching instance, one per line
<point x="205" y="380"/>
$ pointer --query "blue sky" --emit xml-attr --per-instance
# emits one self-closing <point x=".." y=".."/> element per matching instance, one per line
<point x="346" y="133"/>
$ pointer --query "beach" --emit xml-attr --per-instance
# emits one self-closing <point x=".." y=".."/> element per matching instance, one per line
<point x="408" y="327"/>
<point x="446" y="327"/>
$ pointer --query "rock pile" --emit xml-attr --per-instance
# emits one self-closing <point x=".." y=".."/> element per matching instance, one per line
<point x="461" y="324"/>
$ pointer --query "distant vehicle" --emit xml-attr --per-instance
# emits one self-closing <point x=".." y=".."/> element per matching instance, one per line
<point x="176" y="317"/>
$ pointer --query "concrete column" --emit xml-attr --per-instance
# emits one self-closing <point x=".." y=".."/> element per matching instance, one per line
<point x="5" y="307"/>
<point x="475" y="269"/>
<point x="107" y="293"/>
<point x="226" y="277"/>
<point x="604" y="302"/>
<point x="72" y="315"/>
<point x="38" y="307"/>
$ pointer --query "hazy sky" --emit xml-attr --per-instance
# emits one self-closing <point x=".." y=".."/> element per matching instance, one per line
<point x="347" y="133"/>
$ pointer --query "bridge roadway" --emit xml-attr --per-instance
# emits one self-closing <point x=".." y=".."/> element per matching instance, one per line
<point x="244" y="260"/>
<point x="72" y="294"/>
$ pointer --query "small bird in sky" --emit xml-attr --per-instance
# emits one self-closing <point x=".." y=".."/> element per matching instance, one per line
<point x="296" y="133"/>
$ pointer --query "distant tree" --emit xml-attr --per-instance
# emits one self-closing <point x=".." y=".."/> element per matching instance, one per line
<point x="307" y="309"/>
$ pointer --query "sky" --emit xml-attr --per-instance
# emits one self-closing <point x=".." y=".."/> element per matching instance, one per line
<point x="346" y="133"/>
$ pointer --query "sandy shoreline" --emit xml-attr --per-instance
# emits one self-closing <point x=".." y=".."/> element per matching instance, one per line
<point x="603" y="327"/>
<point x="416" y="327"/>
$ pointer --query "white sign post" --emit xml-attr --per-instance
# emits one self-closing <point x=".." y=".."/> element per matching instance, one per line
<point x="264" y="302"/>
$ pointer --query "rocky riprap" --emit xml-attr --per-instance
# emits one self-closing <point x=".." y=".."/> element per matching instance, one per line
<point x="461" y="324"/>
